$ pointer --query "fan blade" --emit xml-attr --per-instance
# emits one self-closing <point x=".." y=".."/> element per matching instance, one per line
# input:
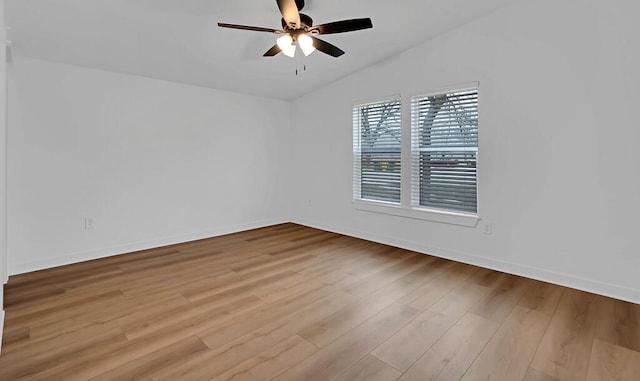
<point x="290" y="12"/>
<point x="246" y="27"/>
<point x="326" y="47"/>
<point x="343" y="26"/>
<point x="273" y="51"/>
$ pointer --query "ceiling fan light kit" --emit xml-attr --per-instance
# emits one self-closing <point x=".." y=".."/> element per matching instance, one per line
<point x="306" y="44"/>
<point x="287" y="45"/>
<point x="298" y="30"/>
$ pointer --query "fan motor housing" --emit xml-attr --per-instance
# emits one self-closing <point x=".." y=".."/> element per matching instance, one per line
<point x="305" y="23"/>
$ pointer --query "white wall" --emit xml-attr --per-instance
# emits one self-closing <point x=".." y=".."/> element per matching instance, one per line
<point x="558" y="167"/>
<point x="3" y="145"/>
<point x="151" y="162"/>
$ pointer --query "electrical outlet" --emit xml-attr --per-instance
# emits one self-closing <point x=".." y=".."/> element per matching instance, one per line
<point x="487" y="228"/>
<point x="88" y="223"/>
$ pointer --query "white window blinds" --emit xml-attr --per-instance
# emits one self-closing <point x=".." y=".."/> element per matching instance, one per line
<point x="376" y="151"/>
<point x="445" y="150"/>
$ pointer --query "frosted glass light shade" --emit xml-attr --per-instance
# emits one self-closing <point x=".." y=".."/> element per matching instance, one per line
<point x="286" y="44"/>
<point x="306" y="44"/>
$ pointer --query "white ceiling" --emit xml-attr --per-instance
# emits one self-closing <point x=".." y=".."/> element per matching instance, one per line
<point x="178" y="40"/>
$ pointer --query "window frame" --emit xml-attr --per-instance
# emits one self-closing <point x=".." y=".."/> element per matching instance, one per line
<point x="406" y="207"/>
<point x="416" y="149"/>
<point x="357" y="151"/>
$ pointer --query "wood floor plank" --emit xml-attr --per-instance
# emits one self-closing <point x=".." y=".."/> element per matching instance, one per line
<point x="90" y="281"/>
<point x="140" y="282"/>
<point x="328" y="330"/>
<point x="566" y="346"/>
<point x="59" y="304"/>
<point x="451" y="278"/>
<point x="172" y="284"/>
<point x="333" y="261"/>
<point x="349" y="260"/>
<point x="231" y="353"/>
<point x="613" y="362"/>
<point x="68" y="339"/>
<point x="486" y="277"/>
<point x="112" y="316"/>
<point x="232" y="329"/>
<point x="15" y="335"/>
<point x="290" y="262"/>
<point x="542" y="297"/>
<point x="210" y="288"/>
<point x="334" y="359"/>
<point x="395" y="270"/>
<point x="169" y="260"/>
<point x="146" y="366"/>
<point x="619" y="323"/>
<point x="91" y="363"/>
<point x="20" y="297"/>
<point x="271" y="362"/>
<point x="503" y="297"/>
<point x="534" y="375"/>
<point x="35" y="364"/>
<point x="370" y="369"/>
<point x="439" y="277"/>
<point x="413" y="340"/>
<point x="313" y="282"/>
<point x="451" y="356"/>
<point x="218" y="310"/>
<point x="509" y="352"/>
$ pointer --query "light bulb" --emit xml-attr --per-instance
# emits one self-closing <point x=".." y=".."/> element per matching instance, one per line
<point x="306" y="44"/>
<point x="286" y="44"/>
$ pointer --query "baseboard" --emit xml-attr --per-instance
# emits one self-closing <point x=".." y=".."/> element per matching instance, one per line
<point x="1" y="328"/>
<point x="571" y="281"/>
<point x="130" y="247"/>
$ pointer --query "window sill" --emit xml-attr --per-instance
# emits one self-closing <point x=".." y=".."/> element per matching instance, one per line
<point x="452" y="218"/>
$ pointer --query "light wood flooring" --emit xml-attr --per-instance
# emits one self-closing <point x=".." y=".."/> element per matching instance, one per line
<point x="293" y="303"/>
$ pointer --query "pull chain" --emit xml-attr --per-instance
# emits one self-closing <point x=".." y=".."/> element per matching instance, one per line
<point x="304" y="68"/>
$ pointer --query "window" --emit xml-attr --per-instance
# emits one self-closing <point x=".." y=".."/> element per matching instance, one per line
<point x="445" y="151"/>
<point x="437" y="179"/>
<point x="377" y="128"/>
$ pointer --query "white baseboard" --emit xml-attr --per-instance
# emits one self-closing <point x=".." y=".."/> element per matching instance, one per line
<point x="127" y="248"/>
<point x="571" y="281"/>
<point x="1" y="328"/>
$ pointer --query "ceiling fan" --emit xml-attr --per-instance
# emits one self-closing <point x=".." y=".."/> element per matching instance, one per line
<point x="298" y="28"/>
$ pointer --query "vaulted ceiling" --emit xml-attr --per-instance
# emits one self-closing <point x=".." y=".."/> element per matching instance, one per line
<point x="178" y="40"/>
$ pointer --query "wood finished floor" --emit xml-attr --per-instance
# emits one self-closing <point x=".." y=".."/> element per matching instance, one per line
<point x="294" y="303"/>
